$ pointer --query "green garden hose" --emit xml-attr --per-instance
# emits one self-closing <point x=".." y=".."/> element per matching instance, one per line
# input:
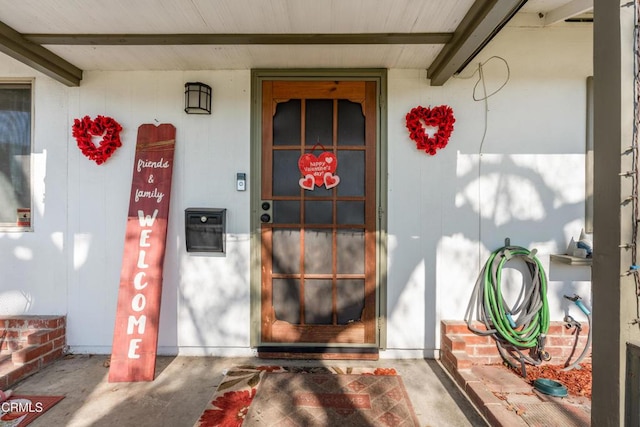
<point x="526" y="323"/>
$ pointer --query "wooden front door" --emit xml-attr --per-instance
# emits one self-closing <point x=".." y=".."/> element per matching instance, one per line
<point x="318" y="245"/>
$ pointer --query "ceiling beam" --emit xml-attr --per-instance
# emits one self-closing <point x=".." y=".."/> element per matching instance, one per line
<point x="237" y="39"/>
<point x="569" y="10"/>
<point x="35" y="56"/>
<point x="482" y="22"/>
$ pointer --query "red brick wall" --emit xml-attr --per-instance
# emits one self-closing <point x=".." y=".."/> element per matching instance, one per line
<point x="29" y="343"/>
<point x="15" y="330"/>
<point x="460" y="348"/>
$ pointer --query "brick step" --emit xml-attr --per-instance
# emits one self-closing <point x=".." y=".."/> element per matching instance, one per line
<point x="6" y="371"/>
<point x="459" y="327"/>
<point x="6" y="366"/>
<point x="462" y="348"/>
<point x="44" y="335"/>
<point x="30" y="352"/>
<point x="30" y="343"/>
<point x="4" y="355"/>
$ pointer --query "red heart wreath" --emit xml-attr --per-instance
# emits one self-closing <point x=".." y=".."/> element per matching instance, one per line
<point x="440" y="117"/>
<point x="105" y="127"/>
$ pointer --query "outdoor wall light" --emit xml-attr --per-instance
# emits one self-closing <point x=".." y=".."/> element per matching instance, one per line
<point x="197" y="98"/>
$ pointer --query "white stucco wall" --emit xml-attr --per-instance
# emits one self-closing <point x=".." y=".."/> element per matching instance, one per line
<point x="33" y="265"/>
<point x="446" y="213"/>
<point x="205" y="300"/>
<point x="524" y="180"/>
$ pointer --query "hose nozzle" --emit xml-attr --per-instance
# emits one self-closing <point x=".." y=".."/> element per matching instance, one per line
<point x="570" y="322"/>
<point x="574" y="298"/>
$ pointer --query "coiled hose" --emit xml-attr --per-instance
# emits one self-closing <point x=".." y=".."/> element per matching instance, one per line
<point x="526" y="323"/>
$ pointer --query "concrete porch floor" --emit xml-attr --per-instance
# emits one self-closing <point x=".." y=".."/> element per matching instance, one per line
<point x="183" y="386"/>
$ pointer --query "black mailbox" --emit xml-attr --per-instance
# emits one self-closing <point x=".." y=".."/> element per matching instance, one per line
<point x="205" y="229"/>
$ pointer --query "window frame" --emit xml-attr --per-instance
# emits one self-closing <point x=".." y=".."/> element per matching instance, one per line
<point x="6" y="227"/>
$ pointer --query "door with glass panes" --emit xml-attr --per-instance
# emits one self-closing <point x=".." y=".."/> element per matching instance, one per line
<point x="318" y="241"/>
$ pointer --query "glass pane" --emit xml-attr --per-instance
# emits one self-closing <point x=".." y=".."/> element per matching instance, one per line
<point x="350" y="301"/>
<point x="318" y="192"/>
<point x="318" y="212"/>
<point x="318" y="251"/>
<point x="286" y="300"/>
<point x="286" y="175"/>
<point x="350" y="212"/>
<point x="351" y="249"/>
<point x="286" y="123"/>
<point x="350" y="123"/>
<point x="15" y="153"/>
<point x="318" y="302"/>
<point x="351" y="173"/>
<point x="286" y="212"/>
<point x="319" y="122"/>
<point x="286" y="251"/>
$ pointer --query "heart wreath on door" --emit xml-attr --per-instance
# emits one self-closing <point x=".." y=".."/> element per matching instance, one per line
<point x="102" y="127"/>
<point x="317" y="171"/>
<point x="439" y="119"/>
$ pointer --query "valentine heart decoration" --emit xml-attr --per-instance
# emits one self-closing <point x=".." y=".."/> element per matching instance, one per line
<point x="440" y="118"/>
<point x="102" y="127"/>
<point x="318" y="171"/>
<point x="308" y="182"/>
<point x="331" y="180"/>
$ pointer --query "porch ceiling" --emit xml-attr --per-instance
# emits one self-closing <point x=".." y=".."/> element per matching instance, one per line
<point x="62" y="38"/>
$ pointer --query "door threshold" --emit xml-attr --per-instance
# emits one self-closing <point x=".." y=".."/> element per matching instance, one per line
<point x="318" y="353"/>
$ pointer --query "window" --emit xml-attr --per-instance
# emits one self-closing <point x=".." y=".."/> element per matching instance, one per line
<point x="15" y="156"/>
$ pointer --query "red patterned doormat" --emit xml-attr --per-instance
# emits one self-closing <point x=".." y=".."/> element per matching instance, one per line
<point x="295" y="396"/>
<point x="20" y="411"/>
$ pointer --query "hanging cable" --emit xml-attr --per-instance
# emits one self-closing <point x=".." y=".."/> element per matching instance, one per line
<point x="634" y="152"/>
<point x="485" y="99"/>
<point x="485" y="96"/>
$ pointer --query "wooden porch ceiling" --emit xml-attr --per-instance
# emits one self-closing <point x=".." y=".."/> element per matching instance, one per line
<point x="473" y="27"/>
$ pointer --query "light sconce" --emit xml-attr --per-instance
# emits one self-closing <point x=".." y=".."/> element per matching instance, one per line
<point x="197" y="98"/>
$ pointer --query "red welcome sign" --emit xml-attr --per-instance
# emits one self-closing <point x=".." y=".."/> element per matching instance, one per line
<point x="135" y="338"/>
<point x="319" y="170"/>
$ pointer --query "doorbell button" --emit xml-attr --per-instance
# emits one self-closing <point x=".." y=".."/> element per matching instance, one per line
<point x="241" y="181"/>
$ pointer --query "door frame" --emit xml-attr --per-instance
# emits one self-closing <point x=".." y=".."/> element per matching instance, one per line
<point x="257" y="77"/>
